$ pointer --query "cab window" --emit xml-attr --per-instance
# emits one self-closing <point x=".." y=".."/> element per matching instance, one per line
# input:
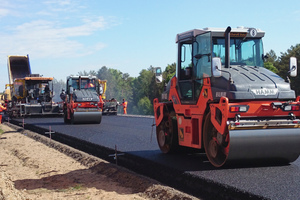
<point x="202" y="56"/>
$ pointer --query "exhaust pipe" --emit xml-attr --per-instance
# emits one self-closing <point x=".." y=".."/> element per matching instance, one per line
<point x="227" y="47"/>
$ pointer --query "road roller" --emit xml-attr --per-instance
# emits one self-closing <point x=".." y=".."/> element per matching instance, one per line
<point x="224" y="102"/>
<point x="82" y="101"/>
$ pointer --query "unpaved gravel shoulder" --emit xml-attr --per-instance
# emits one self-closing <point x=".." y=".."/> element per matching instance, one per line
<point x="35" y="167"/>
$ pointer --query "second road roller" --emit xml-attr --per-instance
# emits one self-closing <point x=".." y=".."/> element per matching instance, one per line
<point x="82" y="100"/>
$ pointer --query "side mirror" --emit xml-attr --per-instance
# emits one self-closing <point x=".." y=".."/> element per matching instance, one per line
<point x="293" y="66"/>
<point x="71" y="90"/>
<point x="216" y="67"/>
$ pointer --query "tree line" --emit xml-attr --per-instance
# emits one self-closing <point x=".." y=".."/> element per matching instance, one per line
<point x="280" y="65"/>
<point x="140" y="91"/>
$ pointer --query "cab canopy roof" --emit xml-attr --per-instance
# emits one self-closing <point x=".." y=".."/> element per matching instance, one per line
<point x="35" y="78"/>
<point x="219" y="32"/>
<point x="83" y="77"/>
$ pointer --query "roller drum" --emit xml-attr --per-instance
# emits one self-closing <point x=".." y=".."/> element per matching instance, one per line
<point x="264" y="144"/>
<point x="87" y="117"/>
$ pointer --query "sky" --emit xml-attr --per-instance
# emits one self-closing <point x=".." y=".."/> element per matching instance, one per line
<point x="64" y="37"/>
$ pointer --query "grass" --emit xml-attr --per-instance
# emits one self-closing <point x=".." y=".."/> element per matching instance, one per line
<point x="74" y="188"/>
<point x="1" y="131"/>
<point x="77" y="187"/>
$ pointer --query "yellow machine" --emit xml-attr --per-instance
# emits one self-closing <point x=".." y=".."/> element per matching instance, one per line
<point x="7" y="92"/>
<point x="28" y="94"/>
<point x="103" y="84"/>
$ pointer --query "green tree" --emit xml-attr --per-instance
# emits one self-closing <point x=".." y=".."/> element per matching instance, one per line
<point x="85" y="73"/>
<point x="169" y="72"/>
<point x="283" y="66"/>
<point x="271" y="57"/>
<point x="103" y="73"/>
<point x="118" y="85"/>
<point x="270" y="66"/>
<point x="145" y="106"/>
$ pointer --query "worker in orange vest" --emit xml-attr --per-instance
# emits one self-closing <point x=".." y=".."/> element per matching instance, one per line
<point x="2" y="109"/>
<point x="124" y="104"/>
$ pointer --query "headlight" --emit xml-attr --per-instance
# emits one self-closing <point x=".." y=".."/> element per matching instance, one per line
<point x="291" y="107"/>
<point x="239" y="108"/>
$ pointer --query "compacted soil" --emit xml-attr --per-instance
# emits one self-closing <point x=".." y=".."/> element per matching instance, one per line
<point x="36" y="167"/>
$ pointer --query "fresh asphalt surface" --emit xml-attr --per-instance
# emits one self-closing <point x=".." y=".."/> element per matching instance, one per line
<point x="134" y="135"/>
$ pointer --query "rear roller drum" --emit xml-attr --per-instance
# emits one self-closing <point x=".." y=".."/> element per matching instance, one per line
<point x="215" y="147"/>
<point x="72" y="119"/>
<point x="99" y="120"/>
<point x="166" y="134"/>
<point x="86" y="117"/>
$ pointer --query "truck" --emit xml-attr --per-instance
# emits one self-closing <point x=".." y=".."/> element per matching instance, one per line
<point x="223" y="102"/>
<point x="82" y="100"/>
<point x="28" y="94"/>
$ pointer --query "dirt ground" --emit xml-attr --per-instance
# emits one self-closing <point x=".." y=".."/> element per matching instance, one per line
<point x="32" y="170"/>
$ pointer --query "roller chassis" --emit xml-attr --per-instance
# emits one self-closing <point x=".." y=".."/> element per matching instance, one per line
<point x="210" y="126"/>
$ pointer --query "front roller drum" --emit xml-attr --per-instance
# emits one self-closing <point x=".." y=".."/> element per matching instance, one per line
<point x="282" y="145"/>
<point x="275" y="145"/>
<point x="86" y="118"/>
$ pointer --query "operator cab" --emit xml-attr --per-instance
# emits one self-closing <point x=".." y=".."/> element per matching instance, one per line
<point x="90" y="83"/>
<point x="233" y="62"/>
<point x="158" y="74"/>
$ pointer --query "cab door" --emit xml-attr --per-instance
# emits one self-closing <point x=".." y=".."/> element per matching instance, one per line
<point x="194" y="66"/>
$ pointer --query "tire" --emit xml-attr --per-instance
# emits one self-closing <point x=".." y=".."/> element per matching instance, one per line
<point x="214" y="151"/>
<point x="99" y="122"/>
<point x="66" y="120"/>
<point x="166" y="134"/>
<point x="72" y="119"/>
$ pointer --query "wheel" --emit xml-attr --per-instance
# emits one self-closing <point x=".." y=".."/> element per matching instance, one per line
<point x="166" y="134"/>
<point x="99" y="121"/>
<point x="72" y="119"/>
<point x="66" y="120"/>
<point x="216" y="153"/>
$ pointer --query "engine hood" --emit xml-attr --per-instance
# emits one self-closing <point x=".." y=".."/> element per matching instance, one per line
<point x="85" y="96"/>
<point x="247" y="82"/>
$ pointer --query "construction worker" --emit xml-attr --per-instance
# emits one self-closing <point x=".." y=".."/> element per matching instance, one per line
<point x="2" y="109"/>
<point x="124" y="104"/>
<point x="47" y="89"/>
<point x="89" y="85"/>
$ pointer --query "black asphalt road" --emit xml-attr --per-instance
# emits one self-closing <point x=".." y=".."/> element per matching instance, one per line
<point x="134" y="135"/>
